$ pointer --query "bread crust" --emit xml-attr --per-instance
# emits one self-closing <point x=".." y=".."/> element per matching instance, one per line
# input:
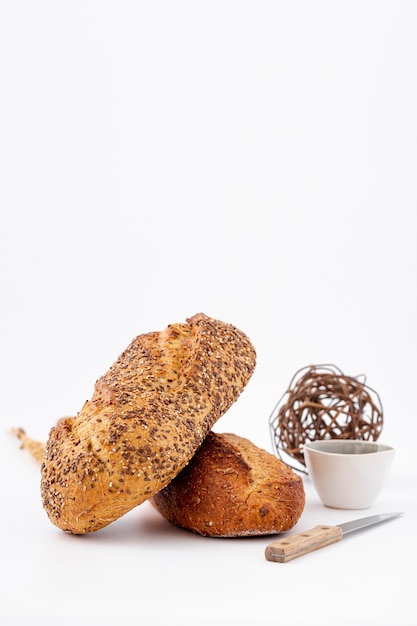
<point x="232" y="488"/>
<point x="148" y="415"/>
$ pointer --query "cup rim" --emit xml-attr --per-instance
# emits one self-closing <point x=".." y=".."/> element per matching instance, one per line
<point x="333" y="447"/>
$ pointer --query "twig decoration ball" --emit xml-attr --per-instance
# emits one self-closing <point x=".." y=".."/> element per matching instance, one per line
<point x="323" y="403"/>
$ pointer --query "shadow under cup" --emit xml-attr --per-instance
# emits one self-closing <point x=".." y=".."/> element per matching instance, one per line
<point x="348" y="474"/>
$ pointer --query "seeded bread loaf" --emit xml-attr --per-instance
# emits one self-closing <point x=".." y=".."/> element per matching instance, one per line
<point x="232" y="488"/>
<point x="148" y="415"/>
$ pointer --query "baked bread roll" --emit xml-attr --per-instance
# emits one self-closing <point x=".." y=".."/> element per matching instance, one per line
<point x="232" y="488"/>
<point x="148" y="415"/>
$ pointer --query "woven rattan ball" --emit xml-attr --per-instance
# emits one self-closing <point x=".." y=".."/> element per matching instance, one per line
<point x="323" y="403"/>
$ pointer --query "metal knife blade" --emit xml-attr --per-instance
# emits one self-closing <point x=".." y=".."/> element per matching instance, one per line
<point x="363" y="522"/>
<point x="289" y="548"/>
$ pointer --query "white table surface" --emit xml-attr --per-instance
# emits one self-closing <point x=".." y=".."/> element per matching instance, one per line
<point x="143" y="570"/>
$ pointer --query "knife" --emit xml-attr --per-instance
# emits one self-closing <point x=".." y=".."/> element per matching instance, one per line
<point x="289" y="548"/>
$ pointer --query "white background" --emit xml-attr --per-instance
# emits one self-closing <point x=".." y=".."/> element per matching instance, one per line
<point x="255" y="161"/>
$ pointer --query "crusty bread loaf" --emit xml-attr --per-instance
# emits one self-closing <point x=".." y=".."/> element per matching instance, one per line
<point x="232" y="488"/>
<point x="148" y="415"/>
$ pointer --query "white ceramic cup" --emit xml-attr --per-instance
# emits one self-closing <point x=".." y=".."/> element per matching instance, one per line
<point x="347" y="473"/>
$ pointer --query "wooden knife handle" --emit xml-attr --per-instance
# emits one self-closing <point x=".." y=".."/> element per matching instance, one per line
<point x="289" y="548"/>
